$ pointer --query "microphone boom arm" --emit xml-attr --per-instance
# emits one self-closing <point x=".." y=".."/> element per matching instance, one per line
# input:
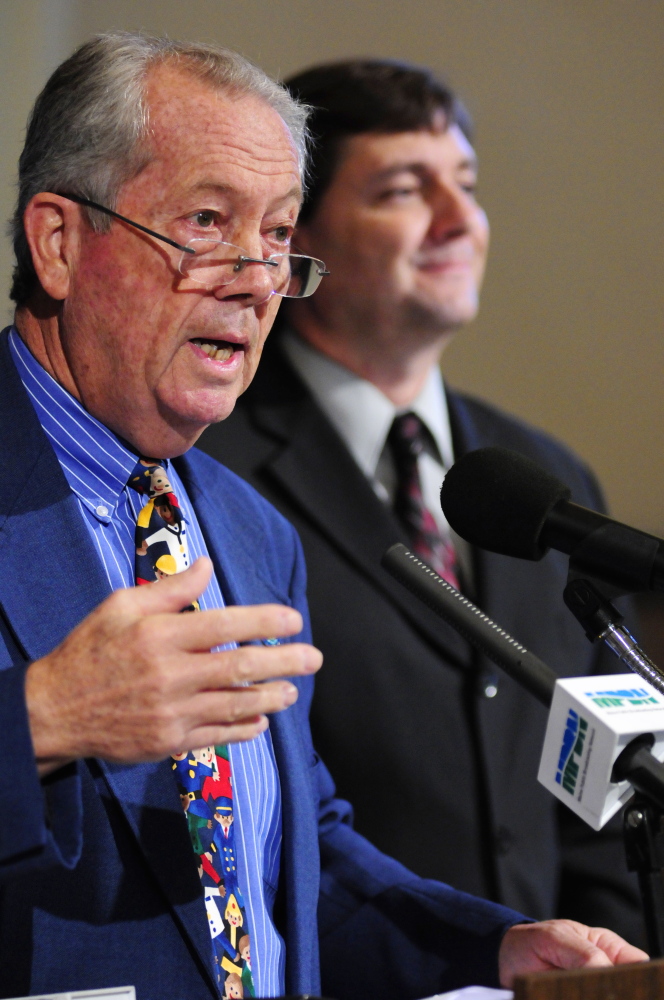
<point x="470" y="622"/>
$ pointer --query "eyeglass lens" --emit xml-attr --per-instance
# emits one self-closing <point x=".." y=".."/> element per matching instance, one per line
<point x="215" y="264"/>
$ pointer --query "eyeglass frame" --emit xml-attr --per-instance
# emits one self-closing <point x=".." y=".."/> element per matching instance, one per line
<point x="243" y="259"/>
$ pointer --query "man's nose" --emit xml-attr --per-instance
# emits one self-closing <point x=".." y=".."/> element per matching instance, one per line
<point x="254" y="279"/>
<point x="452" y="211"/>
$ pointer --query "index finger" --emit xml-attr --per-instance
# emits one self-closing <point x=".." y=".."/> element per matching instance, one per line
<point x="236" y="623"/>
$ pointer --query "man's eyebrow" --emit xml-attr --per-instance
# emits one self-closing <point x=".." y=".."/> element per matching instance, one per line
<point x="420" y="167"/>
<point x="295" y="192"/>
<point x="214" y="187"/>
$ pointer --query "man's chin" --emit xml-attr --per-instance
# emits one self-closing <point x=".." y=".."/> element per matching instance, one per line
<point x="205" y="405"/>
<point x="439" y="318"/>
<point x="181" y="422"/>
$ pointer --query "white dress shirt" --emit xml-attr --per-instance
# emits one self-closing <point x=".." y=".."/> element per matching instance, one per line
<point x="362" y="416"/>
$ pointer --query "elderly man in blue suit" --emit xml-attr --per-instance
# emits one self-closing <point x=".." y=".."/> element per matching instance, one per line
<point x="159" y="186"/>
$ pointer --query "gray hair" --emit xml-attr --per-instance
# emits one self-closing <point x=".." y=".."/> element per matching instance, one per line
<point x="88" y="132"/>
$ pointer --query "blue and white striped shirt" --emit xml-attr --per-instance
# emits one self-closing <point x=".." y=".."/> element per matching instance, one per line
<point x="97" y="466"/>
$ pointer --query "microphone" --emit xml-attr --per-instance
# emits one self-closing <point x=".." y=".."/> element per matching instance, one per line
<point x="470" y="622"/>
<point x="590" y="760"/>
<point x="501" y="501"/>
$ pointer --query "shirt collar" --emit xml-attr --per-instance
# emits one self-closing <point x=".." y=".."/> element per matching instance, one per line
<point x="96" y="463"/>
<point x="361" y="414"/>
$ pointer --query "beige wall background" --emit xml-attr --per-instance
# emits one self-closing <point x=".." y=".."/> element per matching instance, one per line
<point x="567" y="99"/>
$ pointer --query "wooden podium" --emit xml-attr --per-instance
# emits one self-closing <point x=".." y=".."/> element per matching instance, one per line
<point x="643" y="981"/>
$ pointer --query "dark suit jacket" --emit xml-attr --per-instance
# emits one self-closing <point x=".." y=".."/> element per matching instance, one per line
<point x="440" y="776"/>
<point x="98" y="883"/>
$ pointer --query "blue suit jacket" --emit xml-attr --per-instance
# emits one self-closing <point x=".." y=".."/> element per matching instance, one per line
<point x="98" y="881"/>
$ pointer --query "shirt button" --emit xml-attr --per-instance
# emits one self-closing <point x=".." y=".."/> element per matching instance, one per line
<point x="490" y="689"/>
<point x="101" y="510"/>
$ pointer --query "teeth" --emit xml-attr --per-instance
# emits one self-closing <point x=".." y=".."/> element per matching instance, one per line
<point x="213" y="351"/>
<point x="221" y="354"/>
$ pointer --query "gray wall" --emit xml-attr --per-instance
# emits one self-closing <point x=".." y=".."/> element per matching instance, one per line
<point x="567" y="101"/>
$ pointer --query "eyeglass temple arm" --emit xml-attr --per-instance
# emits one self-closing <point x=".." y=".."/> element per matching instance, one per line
<point x="116" y="215"/>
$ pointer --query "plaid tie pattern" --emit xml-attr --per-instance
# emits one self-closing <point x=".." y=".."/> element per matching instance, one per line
<point x="406" y="441"/>
<point x="203" y="776"/>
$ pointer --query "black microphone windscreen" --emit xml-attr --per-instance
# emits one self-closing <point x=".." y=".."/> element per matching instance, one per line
<point x="499" y="500"/>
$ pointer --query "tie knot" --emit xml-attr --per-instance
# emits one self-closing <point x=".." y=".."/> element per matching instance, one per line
<point x="150" y="478"/>
<point x="407" y="434"/>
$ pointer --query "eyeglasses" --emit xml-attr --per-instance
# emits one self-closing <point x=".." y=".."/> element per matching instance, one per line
<point x="212" y="263"/>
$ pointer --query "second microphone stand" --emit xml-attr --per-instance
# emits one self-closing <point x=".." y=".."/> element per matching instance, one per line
<point x="643" y="820"/>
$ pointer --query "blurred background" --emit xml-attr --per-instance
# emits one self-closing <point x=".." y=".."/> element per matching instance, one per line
<point x="566" y="99"/>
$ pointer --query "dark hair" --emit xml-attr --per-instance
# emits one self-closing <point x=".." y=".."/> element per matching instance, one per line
<point x="367" y="95"/>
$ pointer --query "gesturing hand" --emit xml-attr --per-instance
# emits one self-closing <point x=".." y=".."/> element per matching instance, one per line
<point x="561" y="944"/>
<point x="136" y="680"/>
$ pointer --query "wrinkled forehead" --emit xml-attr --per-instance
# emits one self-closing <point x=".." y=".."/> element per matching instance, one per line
<point x="190" y="119"/>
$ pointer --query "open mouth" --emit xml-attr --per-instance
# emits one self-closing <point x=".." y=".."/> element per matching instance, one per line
<point x="217" y="350"/>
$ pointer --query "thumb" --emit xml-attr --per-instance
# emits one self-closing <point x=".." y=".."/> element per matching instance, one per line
<point x="175" y="592"/>
<point x="573" y="950"/>
<point x="590" y="958"/>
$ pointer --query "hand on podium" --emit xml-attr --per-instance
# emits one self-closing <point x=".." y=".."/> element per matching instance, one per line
<point x="561" y="944"/>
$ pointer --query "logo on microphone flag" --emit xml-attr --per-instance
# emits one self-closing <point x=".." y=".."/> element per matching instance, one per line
<point x="571" y="751"/>
<point x="625" y="697"/>
<point x="592" y="719"/>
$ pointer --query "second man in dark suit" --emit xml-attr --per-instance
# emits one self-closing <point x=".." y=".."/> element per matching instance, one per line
<point x="348" y="429"/>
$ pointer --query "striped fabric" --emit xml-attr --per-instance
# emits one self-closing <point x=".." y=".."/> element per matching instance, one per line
<point x="97" y="466"/>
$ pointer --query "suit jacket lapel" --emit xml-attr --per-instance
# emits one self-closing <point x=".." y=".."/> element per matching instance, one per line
<point x="300" y="861"/>
<point x="315" y="468"/>
<point x="41" y="541"/>
<point x="487" y="566"/>
<point x="148" y="797"/>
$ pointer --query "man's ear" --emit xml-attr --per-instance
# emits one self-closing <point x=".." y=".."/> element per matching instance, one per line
<point x="52" y="226"/>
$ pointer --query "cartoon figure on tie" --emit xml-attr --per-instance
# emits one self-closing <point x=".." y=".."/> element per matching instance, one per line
<point x="245" y="956"/>
<point x="205" y="785"/>
<point x="233" y="987"/>
<point x="165" y="566"/>
<point x="220" y="783"/>
<point x="190" y="775"/>
<point x="205" y="758"/>
<point x="234" y="918"/>
<point x="160" y="526"/>
<point x="223" y="842"/>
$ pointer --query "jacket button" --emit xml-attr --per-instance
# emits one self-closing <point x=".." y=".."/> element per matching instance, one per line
<point x="489" y="686"/>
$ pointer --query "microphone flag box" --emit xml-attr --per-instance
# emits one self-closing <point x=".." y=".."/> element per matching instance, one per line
<point x="592" y="719"/>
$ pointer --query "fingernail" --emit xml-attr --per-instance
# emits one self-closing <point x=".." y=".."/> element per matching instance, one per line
<point x="313" y="661"/>
<point x="290" y="694"/>
<point x="290" y="618"/>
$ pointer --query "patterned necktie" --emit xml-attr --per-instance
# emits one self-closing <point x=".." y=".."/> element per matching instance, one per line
<point x="406" y="440"/>
<point x="203" y="776"/>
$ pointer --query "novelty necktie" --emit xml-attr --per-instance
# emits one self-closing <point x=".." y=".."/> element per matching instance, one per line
<point x="406" y="440"/>
<point x="203" y="776"/>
